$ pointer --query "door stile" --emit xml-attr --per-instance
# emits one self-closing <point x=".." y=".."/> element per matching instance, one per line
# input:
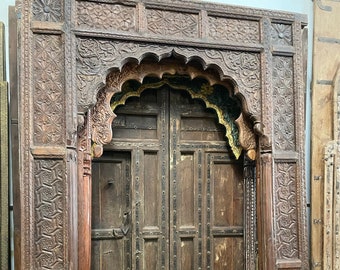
<point x="250" y="235"/>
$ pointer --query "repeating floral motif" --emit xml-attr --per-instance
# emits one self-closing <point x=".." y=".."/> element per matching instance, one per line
<point x="48" y="90"/>
<point x="96" y="56"/>
<point x="169" y="23"/>
<point x="47" y="10"/>
<point x="49" y="214"/>
<point x="105" y="16"/>
<point x="281" y="34"/>
<point x="234" y="30"/>
<point x="286" y="211"/>
<point x="246" y="68"/>
<point x="283" y="100"/>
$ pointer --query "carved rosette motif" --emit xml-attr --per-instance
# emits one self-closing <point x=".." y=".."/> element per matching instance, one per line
<point x="286" y="227"/>
<point x="283" y="100"/>
<point x="96" y="56"/>
<point x="106" y="16"/>
<point x="234" y="30"/>
<point x="281" y="34"/>
<point x="48" y="90"/>
<point x="49" y="205"/>
<point x="48" y="10"/>
<point x="170" y="23"/>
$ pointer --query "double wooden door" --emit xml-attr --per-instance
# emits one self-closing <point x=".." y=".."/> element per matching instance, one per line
<point x="167" y="193"/>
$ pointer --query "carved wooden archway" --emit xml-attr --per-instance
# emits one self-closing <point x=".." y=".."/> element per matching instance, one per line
<point x="97" y="131"/>
<point x="67" y="52"/>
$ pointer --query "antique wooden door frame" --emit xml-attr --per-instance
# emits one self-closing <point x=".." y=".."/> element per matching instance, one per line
<point x="74" y="55"/>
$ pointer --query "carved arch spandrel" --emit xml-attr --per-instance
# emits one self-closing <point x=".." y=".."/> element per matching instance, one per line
<point x="97" y="57"/>
<point x="102" y="113"/>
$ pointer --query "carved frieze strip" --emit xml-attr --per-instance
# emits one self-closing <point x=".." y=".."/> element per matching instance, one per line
<point x="284" y="103"/>
<point x="96" y="57"/>
<point x="286" y="213"/>
<point x="48" y="90"/>
<point x="50" y="215"/>
<point x="48" y="10"/>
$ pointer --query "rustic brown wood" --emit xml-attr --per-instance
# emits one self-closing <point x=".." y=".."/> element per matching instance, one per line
<point x="187" y="193"/>
<point x="73" y="61"/>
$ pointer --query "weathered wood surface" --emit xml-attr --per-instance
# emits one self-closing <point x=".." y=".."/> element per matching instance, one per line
<point x="72" y="61"/>
<point x="325" y="137"/>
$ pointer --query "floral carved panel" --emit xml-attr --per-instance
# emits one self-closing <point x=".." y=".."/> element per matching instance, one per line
<point x="106" y="16"/>
<point x="283" y="100"/>
<point x="48" y="90"/>
<point x="49" y="211"/>
<point x="48" y="10"/>
<point x="96" y="56"/>
<point x="281" y="34"/>
<point x="168" y="23"/>
<point x="286" y="227"/>
<point x="234" y="30"/>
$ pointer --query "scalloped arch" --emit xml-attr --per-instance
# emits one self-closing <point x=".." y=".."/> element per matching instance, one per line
<point x="102" y="113"/>
<point x="97" y="59"/>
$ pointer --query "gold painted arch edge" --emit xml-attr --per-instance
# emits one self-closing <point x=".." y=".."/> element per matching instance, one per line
<point x="103" y="115"/>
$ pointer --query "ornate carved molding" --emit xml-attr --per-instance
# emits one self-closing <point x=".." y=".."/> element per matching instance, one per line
<point x="281" y="34"/>
<point x="286" y="225"/>
<point x="49" y="234"/>
<point x="48" y="10"/>
<point x="170" y="23"/>
<point x="48" y="107"/>
<point x="283" y="100"/>
<point x="102" y="115"/>
<point x="106" y="16"/>
<point x="96" y="57"/>
<point x="234" y="30"/>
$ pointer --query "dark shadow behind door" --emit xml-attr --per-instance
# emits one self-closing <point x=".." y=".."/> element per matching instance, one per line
<point x="167" y="193"/>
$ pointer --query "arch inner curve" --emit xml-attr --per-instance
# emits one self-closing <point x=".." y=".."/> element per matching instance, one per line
<point x="217" y="94"/>
<point x="216" y="97"/>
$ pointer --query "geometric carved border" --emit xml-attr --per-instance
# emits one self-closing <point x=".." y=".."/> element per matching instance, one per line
<point x="49" y="209"/>
<point x="286" y="226"/>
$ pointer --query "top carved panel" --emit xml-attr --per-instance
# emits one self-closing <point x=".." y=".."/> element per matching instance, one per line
<point x="281" y="34"/>
<point x="106" y="16"/>
<point x="171" y="23"/>
<point x="234" y="30"/>
<point x="48" y="10"/>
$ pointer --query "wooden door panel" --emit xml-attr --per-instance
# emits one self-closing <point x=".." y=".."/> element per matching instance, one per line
<point x="111" y="212"/>
<point x="186" y="194"/>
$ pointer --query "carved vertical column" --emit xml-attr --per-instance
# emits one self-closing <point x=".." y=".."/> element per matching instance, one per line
<point x="45" y="190"/>
<point x="84" y="194"/>
<point x="250" y="214"/>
